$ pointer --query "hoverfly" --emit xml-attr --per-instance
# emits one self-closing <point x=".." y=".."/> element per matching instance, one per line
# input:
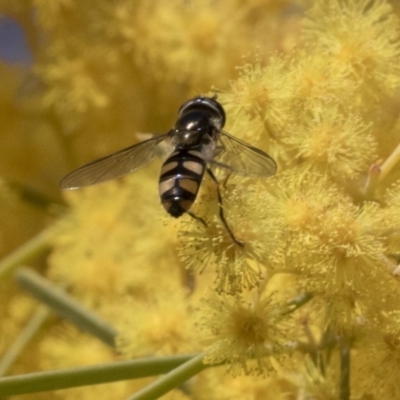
<point x="198" y="143"/>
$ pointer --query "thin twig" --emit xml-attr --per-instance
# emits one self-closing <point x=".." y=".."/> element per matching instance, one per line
<point x="29" y="250"/>
<point x="389" y="163"/>
<point x="345" y="371"/>
<point x="65" y="306"/>
<point x="171" y="380"/>
<point x="19" y="344"/>
<point x="299" y="301"/>
<point x="92" y="375"/>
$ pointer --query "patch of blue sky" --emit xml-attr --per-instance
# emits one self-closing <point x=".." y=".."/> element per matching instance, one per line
<point x="13" y="44"/>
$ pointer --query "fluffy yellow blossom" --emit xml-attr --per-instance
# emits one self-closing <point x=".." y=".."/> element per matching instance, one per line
<point x="320" y="223"/>
<point x="237" y="267"/>
<point x="336" y="247"/>
<point x="215" y="383"/>
<point x="362" y="36"/>
<point x="378" y="364"/>
<point x="245" y="335"/>
<point x="259" y="97"/>
<point x="333" y="141"/>
<point x="315" y="79"/>
<point x="260" y="92"/>
<point x="318" y="383"/>
<point x="162" y="325"/>
<point x="360" y="40"/>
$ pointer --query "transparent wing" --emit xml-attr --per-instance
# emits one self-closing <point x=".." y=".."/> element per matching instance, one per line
<point x="113" y="166"/>
<point x="241" y="158"/>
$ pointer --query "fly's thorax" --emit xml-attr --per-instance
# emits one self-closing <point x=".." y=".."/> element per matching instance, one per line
<point x="193" y="125"/>
<point x="193" y="139"/>
<point x="180" y="179"/>
<point x="185" y="138"/>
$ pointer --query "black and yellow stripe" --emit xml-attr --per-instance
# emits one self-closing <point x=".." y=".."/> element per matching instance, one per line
<point x="180" y="179"/>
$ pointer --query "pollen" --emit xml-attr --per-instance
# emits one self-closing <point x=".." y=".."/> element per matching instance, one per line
<point x="261" y="93"/>
<point x="248" y="325"/>
<point x="361" y="36"/>
<point x="243" y="334"/>
<point x="332" y="140"/>
<point x="298" y="213"/>
<point x="237" y="267"/>
<point x="159" y="325"/>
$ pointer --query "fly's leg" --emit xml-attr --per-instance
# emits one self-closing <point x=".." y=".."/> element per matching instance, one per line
<point x="197" y="218"/>
<point x="221" y="210"/>
<point x="189" y="278"/>
<point x="225" y="182"/>
<point x="223" y="166"/>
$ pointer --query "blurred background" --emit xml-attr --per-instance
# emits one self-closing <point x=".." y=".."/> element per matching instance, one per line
<point x="79" y="80"/>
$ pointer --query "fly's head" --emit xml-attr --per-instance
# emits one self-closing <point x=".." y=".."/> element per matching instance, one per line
<point x="204" y="108"/>
<point x="198" y="117"/>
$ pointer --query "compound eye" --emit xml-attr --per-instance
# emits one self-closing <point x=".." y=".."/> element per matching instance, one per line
<point x="208" y="104"/>
<point x="184" y="105"/>
<point x="219" y="110"/>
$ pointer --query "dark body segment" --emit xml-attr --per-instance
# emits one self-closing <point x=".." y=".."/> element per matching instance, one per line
<point x="181" y="176"/>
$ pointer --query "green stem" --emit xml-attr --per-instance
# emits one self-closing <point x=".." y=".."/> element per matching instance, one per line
<point x="65" y="306"/>
<point x="29" y="250"/>
<point x="103" y="373"/>
<point x="34" y="197"/>
<point x="345" y="371"/>
<point x="171" y="380"/>
<point x="299" y="301"/>
<point x="390" y="163"/>
<point x="19" y="344"/>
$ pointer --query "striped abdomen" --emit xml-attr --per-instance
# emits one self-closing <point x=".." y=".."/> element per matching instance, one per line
<point x="181" y="176"/>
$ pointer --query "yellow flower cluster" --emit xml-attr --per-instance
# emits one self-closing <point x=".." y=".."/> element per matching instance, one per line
<point x="317" y="89"/>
